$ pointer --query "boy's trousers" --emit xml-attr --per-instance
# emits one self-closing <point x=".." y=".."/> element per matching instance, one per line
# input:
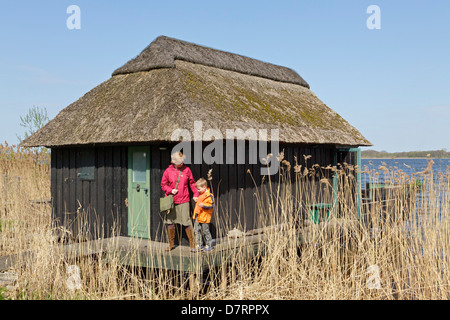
<point x="200" y="228"/>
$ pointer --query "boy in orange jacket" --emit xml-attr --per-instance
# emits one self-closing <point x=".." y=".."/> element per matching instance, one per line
<point x="202" y="216"/>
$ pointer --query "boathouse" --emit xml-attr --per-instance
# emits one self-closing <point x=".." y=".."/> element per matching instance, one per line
<point x="110" y="148"/>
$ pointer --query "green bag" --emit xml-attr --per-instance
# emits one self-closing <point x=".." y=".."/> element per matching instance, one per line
<point x="166" y="203"/>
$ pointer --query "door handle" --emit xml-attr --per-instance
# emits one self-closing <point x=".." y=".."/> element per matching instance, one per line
<point x="138" y="189"/>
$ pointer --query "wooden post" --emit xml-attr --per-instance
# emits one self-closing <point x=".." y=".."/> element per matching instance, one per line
<point x="224" y="276"/>
<point x="194" y="284"/>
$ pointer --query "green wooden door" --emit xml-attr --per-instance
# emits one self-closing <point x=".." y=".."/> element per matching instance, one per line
<point x="139" y="192"/>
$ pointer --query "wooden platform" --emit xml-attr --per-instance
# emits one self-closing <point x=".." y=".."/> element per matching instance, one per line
<point x="137" y="252"/>
<point x="146" y="253"/>
<point x="151" y="254"/>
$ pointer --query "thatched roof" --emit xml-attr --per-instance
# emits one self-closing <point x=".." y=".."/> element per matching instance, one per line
<point x="161" y="91"/>
<point x="164" y="51"/>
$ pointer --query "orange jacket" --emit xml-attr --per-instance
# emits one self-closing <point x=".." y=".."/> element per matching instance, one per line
<point x="203" y="215"/>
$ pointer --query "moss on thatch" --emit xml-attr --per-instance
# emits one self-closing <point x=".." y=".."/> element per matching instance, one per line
<point x="147" y="106"/>
<point x="234" y="97"/>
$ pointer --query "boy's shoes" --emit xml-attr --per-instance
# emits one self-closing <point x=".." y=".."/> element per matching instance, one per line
<point x="197" y="249"/>
<point x="208" y="248"/>
<point x="202" y="249"/>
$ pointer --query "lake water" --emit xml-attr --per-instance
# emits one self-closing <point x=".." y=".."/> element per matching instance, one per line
<point x="408" y="166"/>
<point x="439" y="198"/>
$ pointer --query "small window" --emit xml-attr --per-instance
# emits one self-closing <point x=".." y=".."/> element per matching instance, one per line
<point x="86" y="171"/>
<point x="139" y="167"/>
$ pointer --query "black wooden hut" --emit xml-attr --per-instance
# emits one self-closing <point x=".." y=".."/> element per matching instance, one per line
<point x="121" y="134"/>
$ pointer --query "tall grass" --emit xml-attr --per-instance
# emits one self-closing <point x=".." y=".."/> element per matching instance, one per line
<point x="399" y="249"/>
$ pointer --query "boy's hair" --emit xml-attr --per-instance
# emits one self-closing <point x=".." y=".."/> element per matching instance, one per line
<point x="201" y="183"/>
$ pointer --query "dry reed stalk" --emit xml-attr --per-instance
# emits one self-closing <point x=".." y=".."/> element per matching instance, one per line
<point x="406" y="239"/>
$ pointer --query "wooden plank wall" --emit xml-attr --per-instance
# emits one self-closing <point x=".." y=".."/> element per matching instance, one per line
<point x="347" y="187"/>
<point x="159" y="161"/>
<point x="240" y="190"/>
<point x="96" y="208"/>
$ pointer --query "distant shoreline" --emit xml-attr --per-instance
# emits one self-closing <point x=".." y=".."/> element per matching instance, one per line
<point x="387" y="158"/>
<point x="423" y="154"/>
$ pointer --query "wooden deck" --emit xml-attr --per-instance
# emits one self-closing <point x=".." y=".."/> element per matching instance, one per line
<point x="146" y="253"/>
<point x="151" y="254"/>
<point x="137" y="252"/>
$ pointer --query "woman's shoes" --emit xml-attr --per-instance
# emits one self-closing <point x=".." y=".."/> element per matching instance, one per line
<point x="171" y="232"/>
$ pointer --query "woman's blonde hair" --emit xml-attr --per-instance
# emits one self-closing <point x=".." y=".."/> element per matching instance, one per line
<point x="178" y="158"/>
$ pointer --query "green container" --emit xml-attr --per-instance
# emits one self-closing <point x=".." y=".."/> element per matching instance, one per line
<point x="319" y="212"/>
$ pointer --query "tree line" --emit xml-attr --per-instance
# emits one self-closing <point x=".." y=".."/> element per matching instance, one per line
<point x="443" y="153"/>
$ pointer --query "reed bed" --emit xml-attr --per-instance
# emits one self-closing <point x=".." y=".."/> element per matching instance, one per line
<point x="398" y="249"/>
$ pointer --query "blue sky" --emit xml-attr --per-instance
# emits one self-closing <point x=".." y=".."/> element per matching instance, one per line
<point x="392" y="84"/>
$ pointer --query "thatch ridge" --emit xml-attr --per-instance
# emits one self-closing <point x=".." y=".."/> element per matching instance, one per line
<point x="164" y="51"/>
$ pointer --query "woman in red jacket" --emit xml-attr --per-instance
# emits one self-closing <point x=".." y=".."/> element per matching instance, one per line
<point x="180" y="213"/>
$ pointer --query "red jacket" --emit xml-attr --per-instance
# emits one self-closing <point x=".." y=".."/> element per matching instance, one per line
<point x="169" y="180"/>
